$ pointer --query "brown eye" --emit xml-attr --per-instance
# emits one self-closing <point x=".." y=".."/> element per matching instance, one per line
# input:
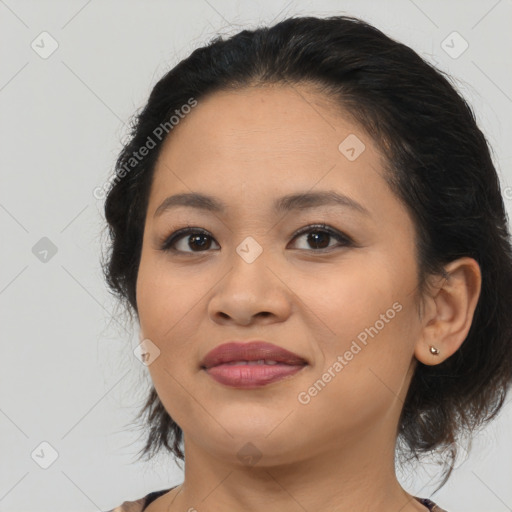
<point x="319" y="237"/>
<point x="197" y="240"/>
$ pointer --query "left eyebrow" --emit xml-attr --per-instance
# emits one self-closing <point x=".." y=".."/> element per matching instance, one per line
<point x="306" y="200"/>
<point x="290" y="202"/>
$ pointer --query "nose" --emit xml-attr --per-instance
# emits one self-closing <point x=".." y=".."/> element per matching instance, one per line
<point x="250" y="292"/>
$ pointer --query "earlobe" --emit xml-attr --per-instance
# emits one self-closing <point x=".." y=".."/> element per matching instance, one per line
<point x="450" y="312"/>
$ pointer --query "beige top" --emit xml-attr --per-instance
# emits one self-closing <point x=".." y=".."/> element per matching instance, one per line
<point x="130" y="506"/>
<point x="140" y="504"/>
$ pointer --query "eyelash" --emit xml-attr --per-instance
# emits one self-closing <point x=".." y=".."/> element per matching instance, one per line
<point x="344" y="240"/>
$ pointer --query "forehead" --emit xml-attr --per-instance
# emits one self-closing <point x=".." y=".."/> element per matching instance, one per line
<point x="263" y="122"/>
<point x="248" y="144"/>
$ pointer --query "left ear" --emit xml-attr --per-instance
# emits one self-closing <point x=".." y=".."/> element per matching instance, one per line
<point x="449" y="311"/>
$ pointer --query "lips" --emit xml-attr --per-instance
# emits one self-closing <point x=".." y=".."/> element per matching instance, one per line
<point x="252" y="364"/>
<point x="254" y="352"/>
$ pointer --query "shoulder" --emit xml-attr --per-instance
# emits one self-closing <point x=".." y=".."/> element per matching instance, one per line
<point x="140" y="504"/>
<point x="130" y="506"/>
<point x="433" y="507"/>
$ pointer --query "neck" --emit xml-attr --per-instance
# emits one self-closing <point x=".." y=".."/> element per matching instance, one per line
<point x="354" y="474"/>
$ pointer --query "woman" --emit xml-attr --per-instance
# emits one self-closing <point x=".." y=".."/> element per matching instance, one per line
<point x="309" y="228"/>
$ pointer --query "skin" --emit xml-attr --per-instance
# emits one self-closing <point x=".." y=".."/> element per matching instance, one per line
<point x="335" y="453"/>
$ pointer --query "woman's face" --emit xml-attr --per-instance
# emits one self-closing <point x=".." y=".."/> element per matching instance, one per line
<point x="346" y="305"/>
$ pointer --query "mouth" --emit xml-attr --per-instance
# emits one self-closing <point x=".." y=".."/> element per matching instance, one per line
<point x="251" y="365"/>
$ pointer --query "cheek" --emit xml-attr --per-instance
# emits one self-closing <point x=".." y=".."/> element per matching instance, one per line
<point x="364" y="314"/>
<point x="351" y="297"/>
<point x="162" y="298"/>
<point x="167" y="305"/>
<point x="363" y="375"/>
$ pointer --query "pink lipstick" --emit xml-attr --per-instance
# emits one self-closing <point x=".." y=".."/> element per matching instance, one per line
<point x="251" y="364"/>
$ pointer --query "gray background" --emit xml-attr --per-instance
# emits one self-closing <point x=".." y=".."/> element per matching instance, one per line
<point x="68" y="374"/>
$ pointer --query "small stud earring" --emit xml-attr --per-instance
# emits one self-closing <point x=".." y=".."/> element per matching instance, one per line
<point x="434" y="350"/>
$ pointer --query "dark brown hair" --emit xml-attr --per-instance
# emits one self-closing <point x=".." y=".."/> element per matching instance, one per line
<point x="438" y="164"/>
